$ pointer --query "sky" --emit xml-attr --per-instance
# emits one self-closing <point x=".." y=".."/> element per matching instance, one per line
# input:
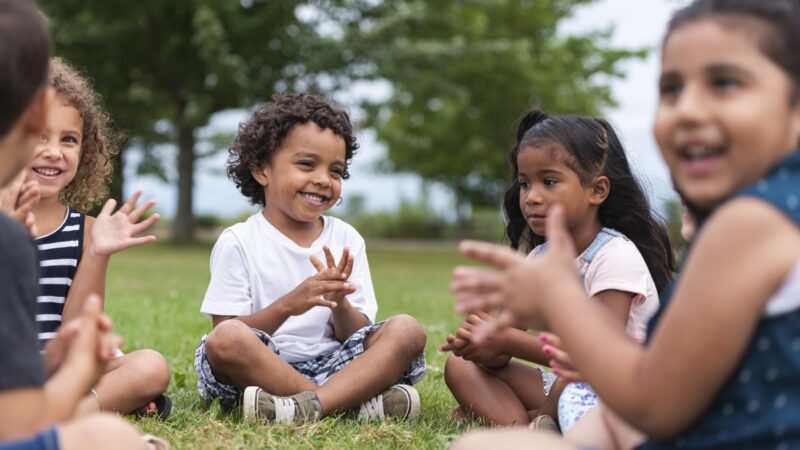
<point x="637" y="24"/>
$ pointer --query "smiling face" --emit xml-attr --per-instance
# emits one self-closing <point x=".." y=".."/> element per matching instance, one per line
<point x="725" y="114"/>
<point x="304" y="178"/>
<point x="545" y="179"/>
<point x="58" y="152"/>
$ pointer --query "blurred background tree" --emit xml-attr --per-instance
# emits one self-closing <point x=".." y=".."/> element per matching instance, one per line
<point x="460" y="73"/>
<point x="164" y="67"/>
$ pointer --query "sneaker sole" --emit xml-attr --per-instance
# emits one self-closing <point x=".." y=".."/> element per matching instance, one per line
<point x="413" y="401"/>
<point x="249" y="401"/>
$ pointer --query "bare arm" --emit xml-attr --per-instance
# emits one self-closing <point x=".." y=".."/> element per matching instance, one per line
<point x="661" y="388"/>
<point x="90" y="276"/>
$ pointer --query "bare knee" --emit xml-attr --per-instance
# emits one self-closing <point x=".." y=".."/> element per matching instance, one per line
<point x="455" y="370"/>
<point x="225" y="342"/>
<point x="99" y="431"/>
<point x="153" y="371"/>
<point x="408" y="333"/>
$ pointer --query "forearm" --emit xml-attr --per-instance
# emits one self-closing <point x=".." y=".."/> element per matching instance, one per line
<point x="347" y="320"/>
<point x="523" y="345"/>
<point x="613" y="374"/>
<point x="268" y="319"/>
<point x="90" y="278"/>
<point x="62" y="393"/>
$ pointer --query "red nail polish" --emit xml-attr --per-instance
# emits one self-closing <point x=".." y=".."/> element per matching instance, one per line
<point x="543" y="337"/>
<point x="547" y="350"/>
<point x="555" y="371"/>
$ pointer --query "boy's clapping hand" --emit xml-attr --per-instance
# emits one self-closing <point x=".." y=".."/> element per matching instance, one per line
<point x="560" y="361"/>
<point x="326" y="288"/>
<point x="342" y="270"/>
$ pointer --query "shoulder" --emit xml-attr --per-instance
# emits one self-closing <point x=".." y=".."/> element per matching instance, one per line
<point x="343" y="231"/>
<point x="619" y="252"/>
<point x="750" y="233"/>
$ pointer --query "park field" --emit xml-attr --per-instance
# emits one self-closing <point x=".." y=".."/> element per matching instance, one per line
<point x="154" y="295"/>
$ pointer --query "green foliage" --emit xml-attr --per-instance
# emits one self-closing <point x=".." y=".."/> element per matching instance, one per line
<point x="156" y="305"/>
<point x="673" y="211"/>
<point x="463" y="71"/>
<point x="164" y="67"/>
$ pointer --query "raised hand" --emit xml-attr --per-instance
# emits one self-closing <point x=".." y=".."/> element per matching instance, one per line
<point x="521" y="286"/>
<point x="342" y="270"/>
<point x="116" y="231"/>
<point x="18" y="199"/>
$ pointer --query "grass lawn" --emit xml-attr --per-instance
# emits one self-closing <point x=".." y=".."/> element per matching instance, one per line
<point x="154" y="295"/>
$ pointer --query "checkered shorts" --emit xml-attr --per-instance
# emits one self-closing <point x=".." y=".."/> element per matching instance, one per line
<point x="318" y="370"/>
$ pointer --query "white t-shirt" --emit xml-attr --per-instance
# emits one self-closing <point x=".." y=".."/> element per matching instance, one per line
<point x="619" y="266"/>
<point x="253" y="265"/>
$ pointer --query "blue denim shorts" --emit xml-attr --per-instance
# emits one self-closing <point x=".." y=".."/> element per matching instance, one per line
<point x="45" y="440"/>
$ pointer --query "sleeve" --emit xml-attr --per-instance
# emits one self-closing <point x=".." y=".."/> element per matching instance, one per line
<point x="363" y="299"/>
<point x="228" y="292"/>
<point x="20" y="362"/>
<point x="618" y="266"/>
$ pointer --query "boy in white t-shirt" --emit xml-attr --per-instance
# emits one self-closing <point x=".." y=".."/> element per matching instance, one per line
<point x="293" y="335"/>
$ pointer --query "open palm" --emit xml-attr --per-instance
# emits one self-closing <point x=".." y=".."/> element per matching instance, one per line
<point x="115" y="231"/>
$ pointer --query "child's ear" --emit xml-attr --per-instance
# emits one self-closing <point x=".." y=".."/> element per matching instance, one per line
<point x="601" y="187"/>
<point x="36" y="115"/>
<point x="261" y="174"/>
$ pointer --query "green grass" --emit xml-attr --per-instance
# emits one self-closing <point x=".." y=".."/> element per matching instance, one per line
<point x="154" y="295"/>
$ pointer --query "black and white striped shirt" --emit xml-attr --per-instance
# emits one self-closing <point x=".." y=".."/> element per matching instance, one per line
<point x="59" y="255"/>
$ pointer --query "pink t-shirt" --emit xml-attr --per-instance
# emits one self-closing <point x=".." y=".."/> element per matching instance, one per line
<point x="619" y="266"/>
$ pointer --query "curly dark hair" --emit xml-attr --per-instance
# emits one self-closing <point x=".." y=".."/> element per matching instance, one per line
<point x="260" y="137"/>
<point x="99" y="142"/>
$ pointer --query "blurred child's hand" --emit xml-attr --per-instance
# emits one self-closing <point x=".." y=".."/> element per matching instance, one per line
<point x="560" y="361"/>
<point x="522" y="286"/>
<point x="342" y="270"/>
<point x="18" y="199"/>
<point x="116" y="231"/>
<point x="94" y="344"/>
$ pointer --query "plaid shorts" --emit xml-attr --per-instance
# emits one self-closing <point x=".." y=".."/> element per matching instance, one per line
<point x="318" y="370"/>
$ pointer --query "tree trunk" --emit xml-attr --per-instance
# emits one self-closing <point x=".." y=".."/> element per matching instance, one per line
<point x="183" y="227"/>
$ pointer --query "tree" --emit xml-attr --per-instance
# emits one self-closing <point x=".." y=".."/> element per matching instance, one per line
<point x="164" y="67"/>
<point x="461" y="74"/>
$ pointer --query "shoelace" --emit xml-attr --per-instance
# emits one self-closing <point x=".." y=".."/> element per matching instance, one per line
<point x="372" y="408"/>
<point x="284" y="409"/>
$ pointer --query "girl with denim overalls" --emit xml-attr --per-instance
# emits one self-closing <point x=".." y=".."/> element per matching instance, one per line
<point x="721" y="367"/>
<point x="625" y="260"/>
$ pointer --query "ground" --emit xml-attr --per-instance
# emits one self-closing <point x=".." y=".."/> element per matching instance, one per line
<point x="154" y="295"/>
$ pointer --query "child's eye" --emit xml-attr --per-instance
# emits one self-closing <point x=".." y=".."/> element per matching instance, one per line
<point x="669" y="90"/>
<point x="306" y="164"/>
<point x="337" y="173"/>
<point x="549" y="182"/>
<point x="43" y="139"/>
<point x="523" y="184"/>
<point x="724" y="83"/>
<point x="70" y="140"/>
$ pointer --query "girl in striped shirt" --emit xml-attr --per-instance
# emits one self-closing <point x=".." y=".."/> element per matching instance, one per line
<point x="72" y="166"/>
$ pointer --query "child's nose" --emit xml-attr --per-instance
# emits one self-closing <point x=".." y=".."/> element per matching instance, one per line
<point x="533" y="197"/>
<point x="692" y="106"/>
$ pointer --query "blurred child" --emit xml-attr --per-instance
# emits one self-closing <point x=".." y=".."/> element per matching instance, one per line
<point x="579" y="162"/>
<point x="294" y="334"/>
<point x="721" y="368"/>
<point x="38" y="397"/>
<point x="72" y="166"/>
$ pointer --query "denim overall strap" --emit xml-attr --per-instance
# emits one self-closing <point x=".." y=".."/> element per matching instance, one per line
<point x="603" y="237"/>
